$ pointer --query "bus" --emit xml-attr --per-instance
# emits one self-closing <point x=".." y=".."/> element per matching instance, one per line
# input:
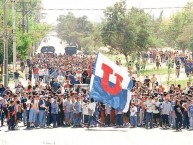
<point x="48" y="49"/>
<point x="70" y="50"/>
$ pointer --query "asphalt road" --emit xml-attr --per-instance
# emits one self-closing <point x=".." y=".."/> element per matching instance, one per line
<point x="95" y="136"/>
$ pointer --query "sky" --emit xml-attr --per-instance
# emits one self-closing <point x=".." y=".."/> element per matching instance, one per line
<point x="96" y="16"/>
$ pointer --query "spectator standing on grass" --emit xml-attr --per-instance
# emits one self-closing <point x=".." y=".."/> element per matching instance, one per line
<point x="178" y="64"/>
<point x="157" y="61"/>
<point x="26" y="72"/>
<point x="16" y="78"/>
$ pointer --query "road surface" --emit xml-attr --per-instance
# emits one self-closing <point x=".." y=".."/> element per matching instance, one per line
<point x="95" y="136"/>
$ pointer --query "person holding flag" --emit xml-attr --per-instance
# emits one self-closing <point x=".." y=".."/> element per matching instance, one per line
<point x="91" y="110"/>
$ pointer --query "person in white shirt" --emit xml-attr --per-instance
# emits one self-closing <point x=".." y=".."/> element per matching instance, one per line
<point x="85" y="112"/>
<point x="60" y="79"/>
<point x="156" y="111"/>
<point x="91" y="110"/>
<point x="149" y="113"/>
<point x="26" y="73"/>
<point x="41" y="74"/>
<point x="133" y="115"/>
<point x="46" y="75"/>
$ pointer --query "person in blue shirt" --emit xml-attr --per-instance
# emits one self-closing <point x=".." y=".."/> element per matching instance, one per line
<point x="42" y="111"/>
<point x="67" y="110"/>
<point x="187" y="68"/>
<point x="54" y="111"/>
<point x="190" y="114"/>
<point x="72" y="79"/>
<point x="77" y="112"/>
<point x="55" y="85"/>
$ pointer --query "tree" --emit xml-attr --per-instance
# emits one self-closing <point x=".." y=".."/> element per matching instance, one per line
<point x="179" y="30"/>
<point x="157" y="37"/>
<point x="25" y="40"/>
<point x="126" y="31"/>
<point x="74" y="30"/>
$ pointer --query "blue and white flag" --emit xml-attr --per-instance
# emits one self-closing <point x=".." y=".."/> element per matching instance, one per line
<point x="110" y="84"/>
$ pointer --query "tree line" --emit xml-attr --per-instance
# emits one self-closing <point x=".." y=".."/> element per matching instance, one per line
<point x="24" y="39"/>
<point x="128" y="31"/>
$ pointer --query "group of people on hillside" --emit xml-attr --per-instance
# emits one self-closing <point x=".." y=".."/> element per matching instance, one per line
<point x="60" y="98"/>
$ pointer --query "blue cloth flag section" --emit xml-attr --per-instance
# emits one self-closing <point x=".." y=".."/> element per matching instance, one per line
<point x="110" y="84"/>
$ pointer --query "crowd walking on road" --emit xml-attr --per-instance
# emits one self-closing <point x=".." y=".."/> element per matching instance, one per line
<point x="60" y="98"/>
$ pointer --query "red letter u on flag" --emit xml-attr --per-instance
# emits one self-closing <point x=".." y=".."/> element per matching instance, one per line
<point x="105" y="80"/>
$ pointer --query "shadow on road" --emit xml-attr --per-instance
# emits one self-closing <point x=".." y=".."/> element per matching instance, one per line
<point x="94" y="129"/>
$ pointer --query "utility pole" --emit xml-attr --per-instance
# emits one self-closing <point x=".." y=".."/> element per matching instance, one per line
<point x="13" y="35"/>
<point x="5" y="42"/>
<point x="23" y="16"/>
<point x="23" y="11"/>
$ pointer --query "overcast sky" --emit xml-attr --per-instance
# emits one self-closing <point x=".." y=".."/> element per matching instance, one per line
<point x="101" y="4"/>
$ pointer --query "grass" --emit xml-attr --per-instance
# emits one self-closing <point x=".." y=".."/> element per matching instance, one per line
<point x="11" y="76"/>
<point x="183" y="83"/>
<point x="161" y="71"/>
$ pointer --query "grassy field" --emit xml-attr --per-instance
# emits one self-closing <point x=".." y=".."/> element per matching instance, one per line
<point x="183" y="83"/>
<point x="161" y="71"/>
<point x="11" y="76"/>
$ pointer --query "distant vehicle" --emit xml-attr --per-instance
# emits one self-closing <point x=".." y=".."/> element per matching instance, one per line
<point x="70" y="50"/>
<point x="48" y="49"/>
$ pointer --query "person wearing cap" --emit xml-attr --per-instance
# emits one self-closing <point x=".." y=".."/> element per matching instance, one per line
<point x="42" y="111"/>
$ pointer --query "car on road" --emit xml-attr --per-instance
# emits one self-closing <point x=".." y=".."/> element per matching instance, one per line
<point x="70" y="50"/>
<point x="48" y="49"/>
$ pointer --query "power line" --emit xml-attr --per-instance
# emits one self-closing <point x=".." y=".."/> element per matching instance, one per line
<point x="100" y="9"/>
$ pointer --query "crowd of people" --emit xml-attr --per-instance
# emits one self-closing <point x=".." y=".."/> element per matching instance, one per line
<point x="60" y="98"/>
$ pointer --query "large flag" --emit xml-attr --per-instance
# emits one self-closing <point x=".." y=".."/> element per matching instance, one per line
<point x="110" y="84"/>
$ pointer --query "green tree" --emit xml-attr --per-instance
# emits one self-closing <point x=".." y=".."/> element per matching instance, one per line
<point x="126" y="31"/>
<point x="74" y="30"/>
<point x="157" y="37"/>
<point x="25" y="40"/>
<point x="179" y="28"/>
